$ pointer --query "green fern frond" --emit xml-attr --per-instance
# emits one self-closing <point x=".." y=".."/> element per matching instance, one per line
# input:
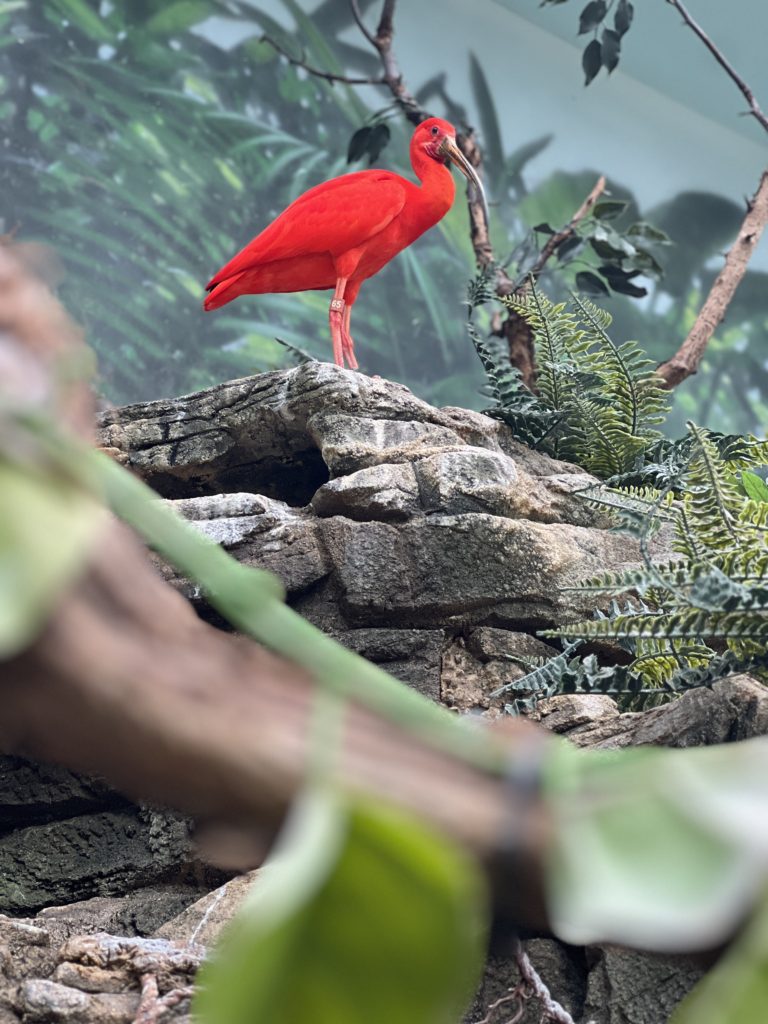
<point x="638" y="401"/>
<point x="515" y="404"/>
<point x="543" y="677"/>
<point x="714" y="502"/>
<point x="603" y="399"/>
<point x="693" y="623"/>
<point x="556" y="331"/>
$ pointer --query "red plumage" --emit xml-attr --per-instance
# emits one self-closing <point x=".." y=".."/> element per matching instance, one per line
<point x="341" y="232"/>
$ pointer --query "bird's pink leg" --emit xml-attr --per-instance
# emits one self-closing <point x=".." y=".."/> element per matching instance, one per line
<point x="336" y="320"/>
<point x="346" y="338"/>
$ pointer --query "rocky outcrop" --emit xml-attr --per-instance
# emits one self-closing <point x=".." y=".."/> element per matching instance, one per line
<point x="428" y="540"/>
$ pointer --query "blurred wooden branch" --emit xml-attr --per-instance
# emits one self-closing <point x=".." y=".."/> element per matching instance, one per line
<point x="126" y="682"/>
<point x="685" y="362"/>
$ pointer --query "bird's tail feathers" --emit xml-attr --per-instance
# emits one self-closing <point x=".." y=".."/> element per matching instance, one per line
<point x="222" y="293"/>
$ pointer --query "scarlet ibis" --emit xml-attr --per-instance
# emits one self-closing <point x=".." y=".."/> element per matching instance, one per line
<point x="339" y="233"/>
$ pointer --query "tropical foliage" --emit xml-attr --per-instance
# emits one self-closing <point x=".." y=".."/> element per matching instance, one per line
<point x="597" y="403"/>
<point x="148" y="141"/>
<point x="687" y="619"/>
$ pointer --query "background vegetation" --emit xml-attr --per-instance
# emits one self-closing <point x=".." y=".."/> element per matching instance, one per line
<point x="147" y="153"/>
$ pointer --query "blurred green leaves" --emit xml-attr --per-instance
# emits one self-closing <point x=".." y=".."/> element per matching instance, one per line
<point x="360" y="914"/>
<point x="47" y="526"/>
<point x="657" y="849"/>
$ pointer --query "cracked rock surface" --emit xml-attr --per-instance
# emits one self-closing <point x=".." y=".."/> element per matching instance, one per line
<point x="380" y="512"/>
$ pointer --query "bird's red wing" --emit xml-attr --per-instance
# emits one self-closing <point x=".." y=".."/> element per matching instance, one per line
<point x="334" y="217"/>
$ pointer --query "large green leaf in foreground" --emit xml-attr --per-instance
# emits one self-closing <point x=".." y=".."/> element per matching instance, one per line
<point x="361" y="915"/>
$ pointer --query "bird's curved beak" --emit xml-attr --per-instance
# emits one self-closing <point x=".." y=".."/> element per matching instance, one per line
<point x="450" y="150"/>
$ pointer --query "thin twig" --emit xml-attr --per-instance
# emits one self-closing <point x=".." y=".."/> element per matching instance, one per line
<point x="511" y="996"/>
<point x="749" y="96"/>
<point x="686" y="360"/>
<point x="357" y="15"/>
<point x="560" y="236"/>
<point x="393" y="78"/>
<point x="329" y="76"/>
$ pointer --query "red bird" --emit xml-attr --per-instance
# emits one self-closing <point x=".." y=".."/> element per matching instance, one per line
<point x="342" y="232"/>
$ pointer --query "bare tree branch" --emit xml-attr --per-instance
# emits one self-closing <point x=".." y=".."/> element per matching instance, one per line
<point x="357" y="15"/>
<point x="754" y="108"/>
<point x="518" y="333"/>
<point x="686" y="360"/>
<point x="329" y="76"/>
<point x="393" y="77"/>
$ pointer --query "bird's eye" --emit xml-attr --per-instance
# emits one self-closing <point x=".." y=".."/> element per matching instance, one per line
<point x="435" y="129"/>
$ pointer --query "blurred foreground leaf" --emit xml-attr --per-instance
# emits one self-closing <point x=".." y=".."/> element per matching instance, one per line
<point x="359" y="915"/>
<point x="657" y="849"/>
<point x="47" y="525"/>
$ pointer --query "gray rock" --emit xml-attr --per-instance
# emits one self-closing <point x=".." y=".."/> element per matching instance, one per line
<point x="91" y="854"/>
<point x="467" y="682"/>
<point x="203" y="921"/>
<point x="467" y="568"/>
<point x="734" y="708"/>
<point x="575" y="713"/>
<point x="473" y="479"/>
<point x="412" y="655"/>
<point x="468" y="480"/>
<point x="490" y="644"/>
<point x="136" y="913"/>
<point x="348" y="443"/>
<point x="388" y="493"/>
<point x="261" y="532"/>
<point x="477" y="666"/>
<point x="625" y="987"/>
<point x="50" y="1003"/>
<point x="257" y="431"/>
<point x="33" y="793"/>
